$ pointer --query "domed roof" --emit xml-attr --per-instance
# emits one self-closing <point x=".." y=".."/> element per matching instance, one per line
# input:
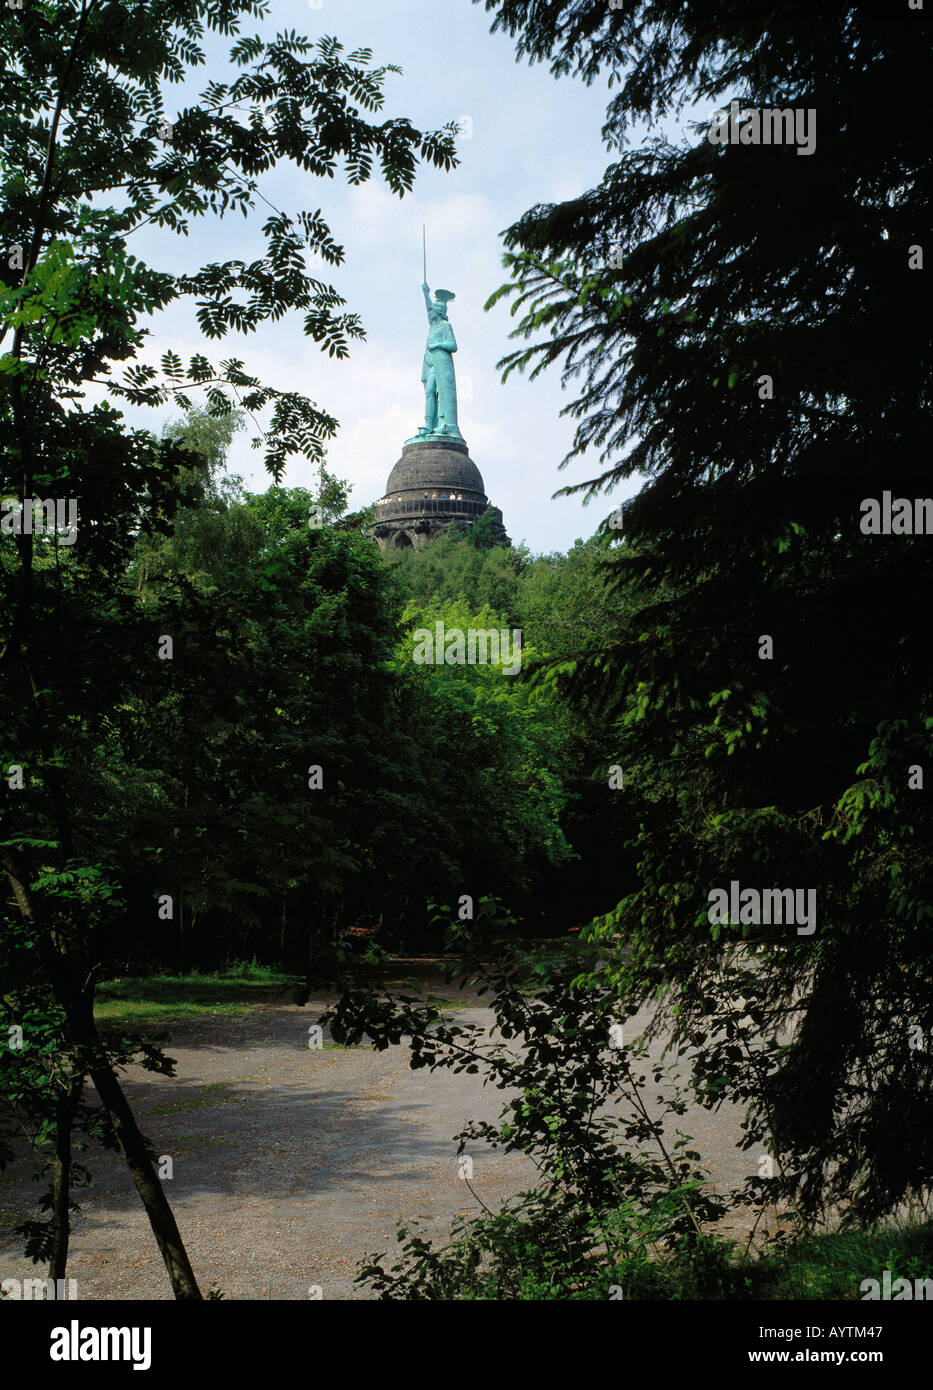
<point x="433" y="464"/>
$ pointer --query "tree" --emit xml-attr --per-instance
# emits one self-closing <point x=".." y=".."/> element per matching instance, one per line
<point x="89" y="155"/>
<point x="451" y="568"/>
<point x="609" y="1188"/>
<point x="749" y="330"/>
<point x="562" y="605"/>
<point x="209" y="436"/>
<point x="482" y="533"/>
<point x="493" y="753"/>
<point x="266" y="741"/>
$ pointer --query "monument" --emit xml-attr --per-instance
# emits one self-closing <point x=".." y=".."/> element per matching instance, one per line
<point x="435" y="486"/>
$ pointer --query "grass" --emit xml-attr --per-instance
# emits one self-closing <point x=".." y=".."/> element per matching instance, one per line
<point x="830" y="1266"/>
<point x="834" y="1266"/>
<point x="164" y="998"/>
<point x="229" y="993"/>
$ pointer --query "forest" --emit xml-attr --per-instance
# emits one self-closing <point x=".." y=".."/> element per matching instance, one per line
<point x="217" y="746"/>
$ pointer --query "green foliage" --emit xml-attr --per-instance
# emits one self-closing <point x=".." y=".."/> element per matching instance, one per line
<point x="132" y="791"/>
<point x="165" y="997"/>
<point x="835" y="1265"/>
<point x="76" y="303"/>
<point x="611" y="1186"/>
<point x="449" y="568"/>
<point x="206" y="435"/>
<point x="42" y="1095"/>
<point x="665" y="294"/>
<point x="482" y="535"/>
<point x="502" y="736"/>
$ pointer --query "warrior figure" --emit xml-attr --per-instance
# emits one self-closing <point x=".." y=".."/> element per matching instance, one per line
<point x="437" y="371"/>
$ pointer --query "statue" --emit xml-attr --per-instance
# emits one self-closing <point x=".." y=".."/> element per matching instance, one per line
<point x="437" y="371"/>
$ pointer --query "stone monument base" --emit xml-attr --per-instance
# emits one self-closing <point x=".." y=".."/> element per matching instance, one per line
<point x="434" y="488"/>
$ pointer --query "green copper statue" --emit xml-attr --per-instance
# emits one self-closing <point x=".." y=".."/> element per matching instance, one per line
<point x="437" y="372"/>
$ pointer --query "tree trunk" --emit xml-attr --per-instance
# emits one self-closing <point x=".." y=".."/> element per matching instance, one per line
<point x="65" y="1108"/>
<point x="77" y="1001"/>
<point x="160" y="1214"/>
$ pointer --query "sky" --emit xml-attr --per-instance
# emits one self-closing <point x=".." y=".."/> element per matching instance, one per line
<point x="528" y="138"/>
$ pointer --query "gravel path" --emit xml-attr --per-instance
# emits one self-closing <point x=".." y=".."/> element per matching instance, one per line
<point x="291" y="1164"/>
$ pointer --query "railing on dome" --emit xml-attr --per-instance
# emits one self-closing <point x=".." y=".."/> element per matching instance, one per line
<point x="429" y="505"/>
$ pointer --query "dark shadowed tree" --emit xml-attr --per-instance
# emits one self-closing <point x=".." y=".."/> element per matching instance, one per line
<point x="746" y="326"/>
<point x="89" y="153"/>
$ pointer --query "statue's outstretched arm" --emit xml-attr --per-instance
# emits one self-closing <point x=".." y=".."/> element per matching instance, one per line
<point x="427" y="300"/>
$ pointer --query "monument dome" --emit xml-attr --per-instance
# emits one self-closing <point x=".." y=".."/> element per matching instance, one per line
<point x="435" y="484"/>
<point x="441" y="464"/>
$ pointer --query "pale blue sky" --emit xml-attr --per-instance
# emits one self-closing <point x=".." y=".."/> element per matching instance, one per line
<point x="534" y="140"/>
